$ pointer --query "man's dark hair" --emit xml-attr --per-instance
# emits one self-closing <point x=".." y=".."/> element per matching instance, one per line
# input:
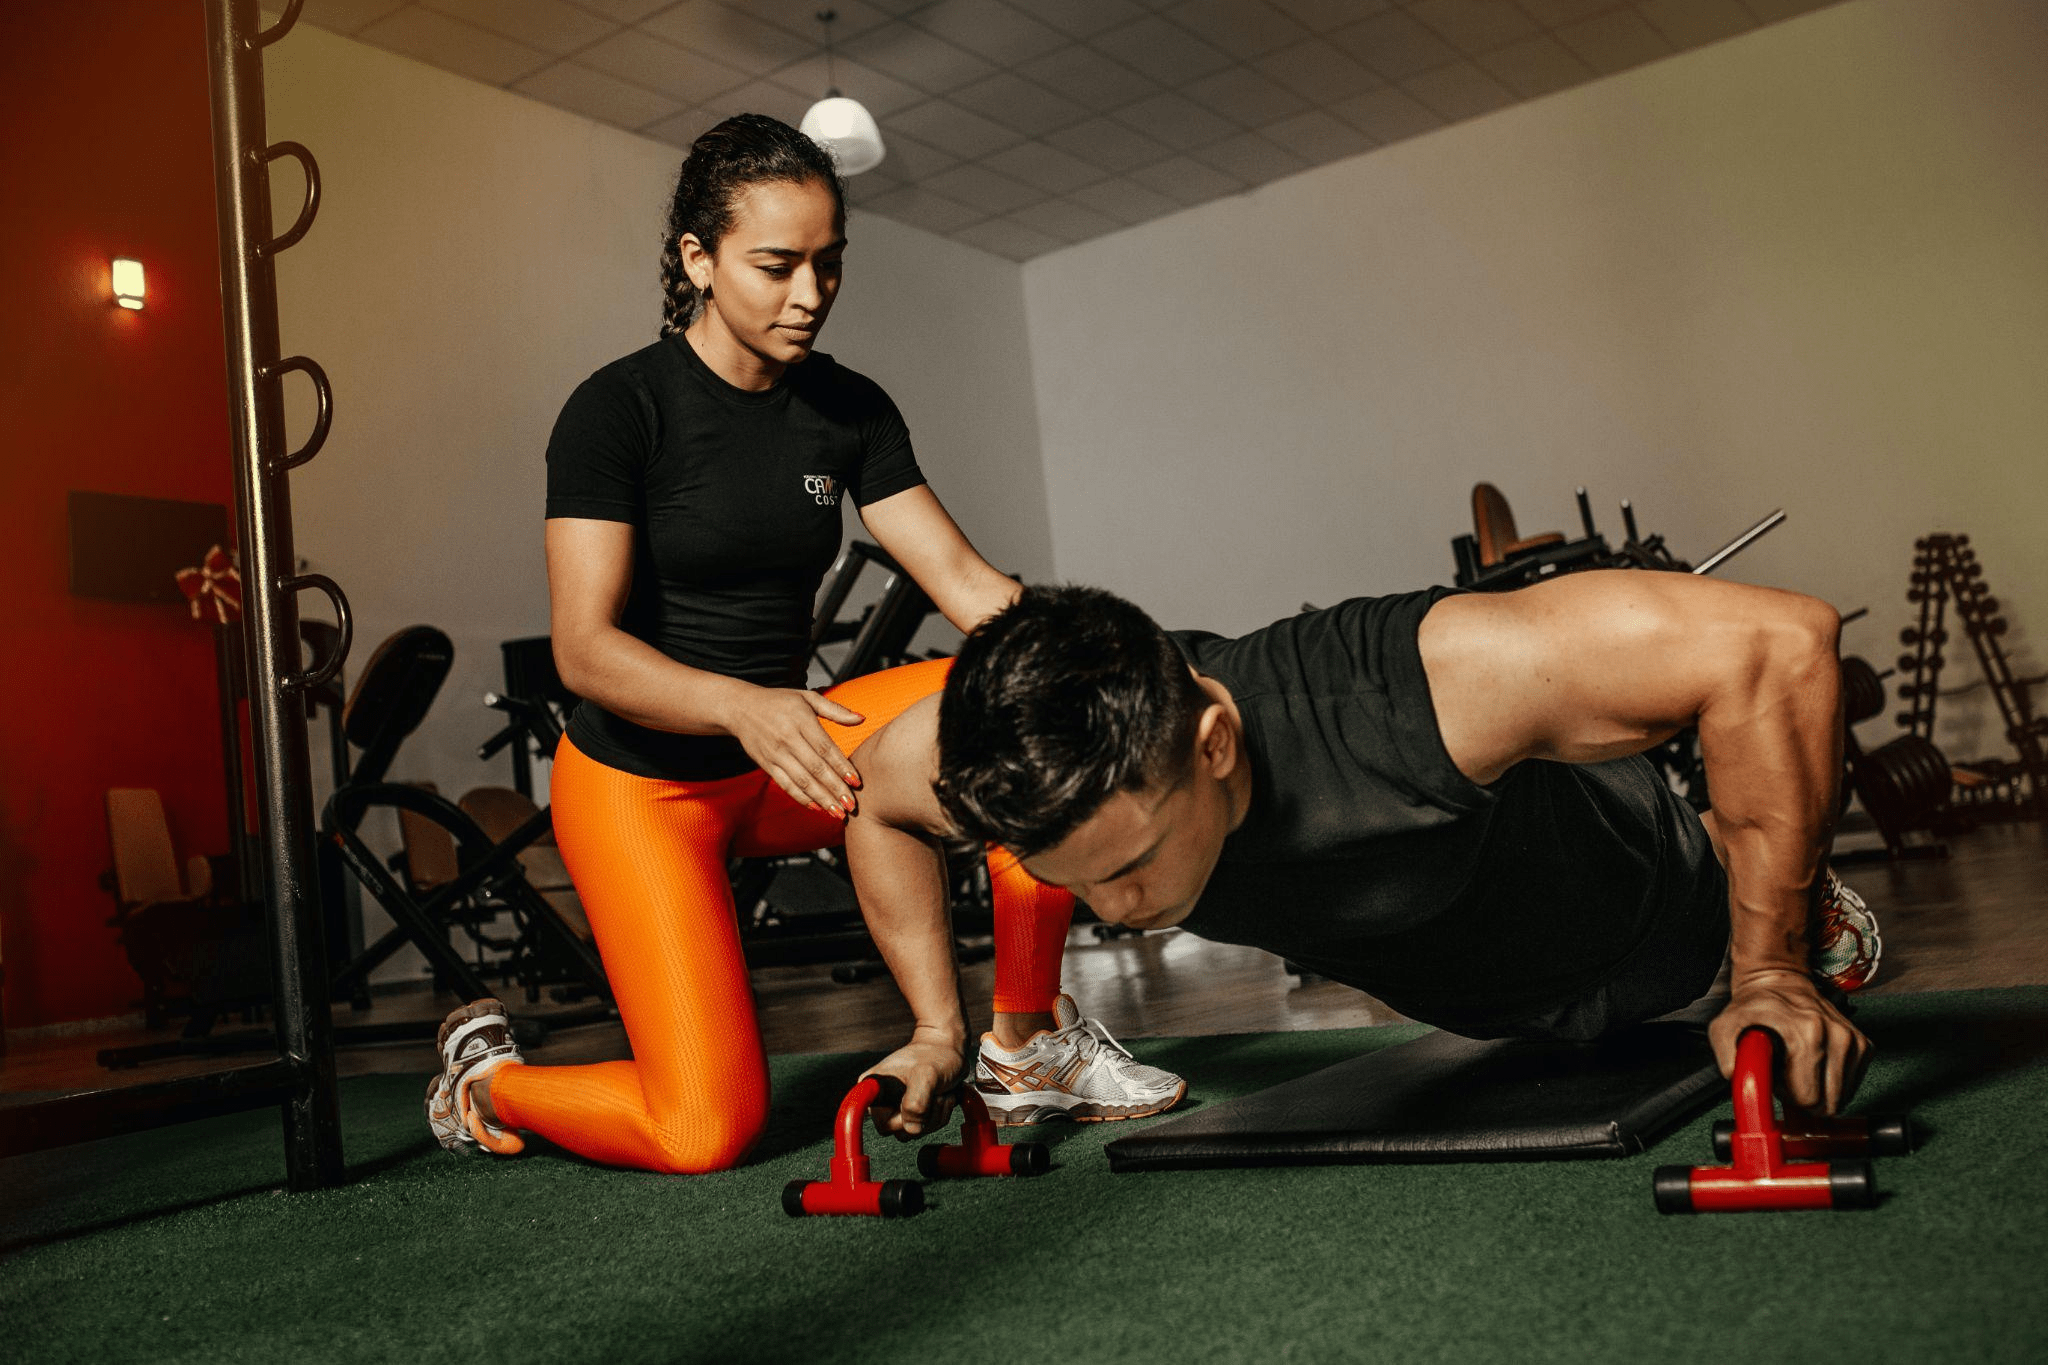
<point x="1055" y="705"/>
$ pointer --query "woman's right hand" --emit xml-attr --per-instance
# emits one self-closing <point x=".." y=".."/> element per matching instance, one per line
<point x="781" y="729"/>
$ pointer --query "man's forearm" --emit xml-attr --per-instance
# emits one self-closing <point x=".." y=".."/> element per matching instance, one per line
<point x="1773" y="757"/>
<point x="900" y="877"/>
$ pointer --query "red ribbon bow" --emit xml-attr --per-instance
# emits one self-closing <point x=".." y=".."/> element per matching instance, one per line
<point x="217" y="584"/>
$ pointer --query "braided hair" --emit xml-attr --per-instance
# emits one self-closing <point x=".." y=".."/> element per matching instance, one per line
<point x="746" y="149"/>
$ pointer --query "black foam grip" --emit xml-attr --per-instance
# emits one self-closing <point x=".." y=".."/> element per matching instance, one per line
<point x="901" y="1198"/>
<point x="928" y="1160"/>
<point x="793" y="1198"/>
<point x="1029" y="1158"/>
<point x="1853" y="1184"/>
<point x="1891" y="1134"/>
<point x="1672" y="1188"/>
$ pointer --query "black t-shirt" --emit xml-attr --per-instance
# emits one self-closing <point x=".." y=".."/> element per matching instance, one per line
<point x="734" y="500"/>
<point x="1367" y="857"/>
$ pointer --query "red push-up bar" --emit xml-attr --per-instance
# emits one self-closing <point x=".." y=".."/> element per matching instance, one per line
<point x="1762" y="1173"/>
<point x="979" y="1152"/>
<point x="850" y="1191"/>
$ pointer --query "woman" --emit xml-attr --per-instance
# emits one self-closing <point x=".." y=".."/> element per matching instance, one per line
<point x="693" y="507"/>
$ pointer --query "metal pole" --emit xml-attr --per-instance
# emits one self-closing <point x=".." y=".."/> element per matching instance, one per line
<point x="1741" y="542"/>
<point x="312" y="1114"/>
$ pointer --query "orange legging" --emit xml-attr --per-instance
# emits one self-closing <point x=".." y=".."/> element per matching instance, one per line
<point x="649" y="861"/>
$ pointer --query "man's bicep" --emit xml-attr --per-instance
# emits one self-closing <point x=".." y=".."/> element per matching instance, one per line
<point x="1580" y="669"/>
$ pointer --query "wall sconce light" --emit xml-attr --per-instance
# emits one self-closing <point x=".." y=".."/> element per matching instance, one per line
<point x="127" y="282"/>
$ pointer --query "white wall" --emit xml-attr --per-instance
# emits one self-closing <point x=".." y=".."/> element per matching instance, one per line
<point x="1803" y="268"/>
<point x="475" y="256"/>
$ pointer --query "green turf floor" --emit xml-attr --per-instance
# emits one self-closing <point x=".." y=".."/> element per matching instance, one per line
<point x="178" y="1245"/>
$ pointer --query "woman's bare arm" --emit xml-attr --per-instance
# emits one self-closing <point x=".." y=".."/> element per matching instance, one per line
<point x="919" y="534"/>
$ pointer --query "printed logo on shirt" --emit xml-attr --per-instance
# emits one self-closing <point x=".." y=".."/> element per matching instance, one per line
<point x="823" y="488"/>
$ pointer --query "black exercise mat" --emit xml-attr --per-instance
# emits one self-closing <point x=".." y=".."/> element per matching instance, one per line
<point x="1445" y="1098"/>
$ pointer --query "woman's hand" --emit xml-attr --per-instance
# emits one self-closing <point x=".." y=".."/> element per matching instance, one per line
<point x="780" y="729"/>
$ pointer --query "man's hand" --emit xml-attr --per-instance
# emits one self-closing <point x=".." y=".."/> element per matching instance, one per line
<point x="930" y="1066"/>
<point x="1824" y="1053"/>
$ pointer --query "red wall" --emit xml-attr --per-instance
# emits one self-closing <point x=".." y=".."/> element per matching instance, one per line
<point x="105" y="150"/>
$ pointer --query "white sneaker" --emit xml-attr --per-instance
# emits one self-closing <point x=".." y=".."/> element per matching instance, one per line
<point x="475" y="1040"/>
<point x="1849" y="947"/>
<point x="1075" y="1071"/>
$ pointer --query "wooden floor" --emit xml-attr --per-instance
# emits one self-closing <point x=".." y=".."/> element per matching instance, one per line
<point x="1976" y="919"/>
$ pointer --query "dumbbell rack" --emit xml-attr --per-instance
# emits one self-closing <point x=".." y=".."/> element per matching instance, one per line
<point x="1945" y="571"/>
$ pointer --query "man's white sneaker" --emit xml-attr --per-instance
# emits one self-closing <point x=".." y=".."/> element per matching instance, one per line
<point x="475" y="1040"/>
<point x="1074" y="1071"/>
<point x="1848" y="948"/>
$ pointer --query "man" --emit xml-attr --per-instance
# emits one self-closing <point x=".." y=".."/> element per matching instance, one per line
<point x="1436" y="797"/>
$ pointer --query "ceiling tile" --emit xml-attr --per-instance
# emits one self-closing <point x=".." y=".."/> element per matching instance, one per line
<point x="1552" y="13"/>
<point x="729" y="37"/>
<point x="989" y="28"/>
<point x="978" y="187"/>
<point x="1394" y="45"/>
<point x="1320" y="16"/>
<point x="455" y="46"/>
<point x="343" y="16"/>
<point x="870" y="184"/>
<point x="1459" y="91"/>
<point x="899" y="8"/>
<point x="1166" y="52"/>
<point x="1066" y="220"/>
<point x="1187" y="180"/>
<point x="1319" y="71"/>
<point x="1111" y="145"/>
<point x="1474" y="26"/>
<point x="851" y="18"/>
<point x="952" y="129"/>
<point x="919" y="207"/>
<point x="548" y="25"/>
<point x="1126" y="200"/>
<point x="881" y="93"/>
<point x="1027" y="106"/>
<point x="1535" y="66"/>
<point x="680" y="130"/>
<point x="1088" y="77"/>
<point x="1614" y="41"/>
<point x="646" y="60"/>
<point x="1046" y="168"/>
<point x="596" y="95"/>
<point x="917" y="58"/>
<point x="911" y="160"/>
<point x="1690" y="23"/>
<point x="1003" y="238"/>
<point x="1085" y="18"/>
<point x="625" y="11"/>
<point x="1251" y="158"/>
<point x="765" y="97"/>
<point x="1177" y="121"/>
<point x="1319" y="136"/>
<point x="1770" y="11"/>
<point x="1388" y="115"/>
<point x="1238" y="28"/>
<point x="1245" y="96"/>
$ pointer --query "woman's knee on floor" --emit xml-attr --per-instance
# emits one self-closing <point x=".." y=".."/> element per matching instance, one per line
<point x="705" y="1137"/>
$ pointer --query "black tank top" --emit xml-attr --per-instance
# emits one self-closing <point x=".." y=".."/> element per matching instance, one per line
<point x="1367" y="857"/>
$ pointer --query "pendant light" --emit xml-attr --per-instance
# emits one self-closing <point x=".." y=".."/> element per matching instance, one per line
<point x="841" y="125"/>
